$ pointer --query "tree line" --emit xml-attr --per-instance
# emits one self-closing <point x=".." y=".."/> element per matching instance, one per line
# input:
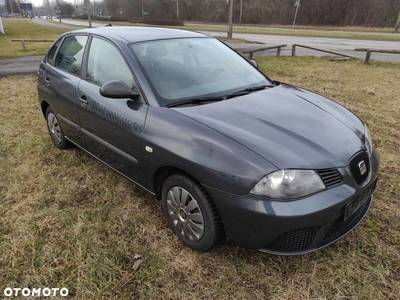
<point x="375" y="13"/>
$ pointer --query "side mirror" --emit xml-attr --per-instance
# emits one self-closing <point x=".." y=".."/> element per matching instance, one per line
<point x="117" y="89"/>
<point x="254" y="63"/>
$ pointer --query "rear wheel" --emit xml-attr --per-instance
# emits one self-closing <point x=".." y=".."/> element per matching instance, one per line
<point x="55" y="130"/>
<point x="191" y="214"/>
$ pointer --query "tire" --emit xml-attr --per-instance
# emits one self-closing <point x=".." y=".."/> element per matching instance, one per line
<point x="55" y="130"/>
<point x="191" y="214"/>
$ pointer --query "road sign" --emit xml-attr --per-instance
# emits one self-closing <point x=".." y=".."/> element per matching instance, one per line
<point x="297" y="4"/>
<point x="145" y="13"/>
<point x="25" y="6"/>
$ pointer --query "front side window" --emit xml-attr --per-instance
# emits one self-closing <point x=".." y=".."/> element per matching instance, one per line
<point x="69" y="57"/>
<point x="105" y="63"/>
<point x="182" y="69"/>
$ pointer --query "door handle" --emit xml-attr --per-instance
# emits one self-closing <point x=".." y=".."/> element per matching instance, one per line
<point x="83" y="100"/>
<point x="47" y="81"/>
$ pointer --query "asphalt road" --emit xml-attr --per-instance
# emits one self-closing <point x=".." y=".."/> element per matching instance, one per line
<point x="20" y="65"/>
<point x="29" y="64"/>
<point x="344" y="46"/>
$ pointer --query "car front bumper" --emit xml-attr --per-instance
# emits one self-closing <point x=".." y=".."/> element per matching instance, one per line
<point x="298" y="226"/>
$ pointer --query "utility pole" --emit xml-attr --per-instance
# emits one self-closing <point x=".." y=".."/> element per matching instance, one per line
<point x="230" y="24"/>
<point x="241" y="10"/>
<point x="177" y="10"/>
<point x="49" y="9"/>
<point x="297" y="4"/>
<point x="87" y="2"/>
<point x="397" y="26"/>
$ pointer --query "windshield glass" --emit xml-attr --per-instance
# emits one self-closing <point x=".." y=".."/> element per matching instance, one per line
<point x="192" y="68"/>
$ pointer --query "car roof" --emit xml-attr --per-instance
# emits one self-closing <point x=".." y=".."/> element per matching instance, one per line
<point x="132" y="34"/>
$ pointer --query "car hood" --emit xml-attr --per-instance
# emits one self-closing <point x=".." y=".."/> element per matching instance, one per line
<point x="288" y="126"/>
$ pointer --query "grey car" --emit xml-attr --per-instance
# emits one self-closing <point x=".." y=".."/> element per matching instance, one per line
<point x="231" y="153"/>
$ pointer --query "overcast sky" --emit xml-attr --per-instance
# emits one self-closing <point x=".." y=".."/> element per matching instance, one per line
<point x="40" y="2"/>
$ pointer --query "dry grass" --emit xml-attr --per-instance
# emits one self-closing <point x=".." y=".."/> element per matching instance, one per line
<point x="67" y="220"/>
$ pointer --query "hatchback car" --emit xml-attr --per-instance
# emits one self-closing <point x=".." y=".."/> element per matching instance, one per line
<point x="231" y="153"/>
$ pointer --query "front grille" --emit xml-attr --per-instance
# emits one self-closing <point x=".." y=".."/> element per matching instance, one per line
<point x="293" y="241"/>
<point x="330" y="177"/>
<point x="355" y="169"/>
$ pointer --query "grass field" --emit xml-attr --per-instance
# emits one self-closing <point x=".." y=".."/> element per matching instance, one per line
<point x="68" y="221"/>
<point x="25" y="28"/>
<point x="302" y="31"/>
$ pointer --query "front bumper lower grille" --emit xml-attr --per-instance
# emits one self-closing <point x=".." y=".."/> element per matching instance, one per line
<point x="308" y="239"/>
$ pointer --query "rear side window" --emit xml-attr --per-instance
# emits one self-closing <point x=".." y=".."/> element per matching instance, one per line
<point x="69" y="57"/>
<point x="52" y="51"/>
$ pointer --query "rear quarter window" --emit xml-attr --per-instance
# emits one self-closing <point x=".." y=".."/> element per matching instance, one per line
<point x="52" y="51"/>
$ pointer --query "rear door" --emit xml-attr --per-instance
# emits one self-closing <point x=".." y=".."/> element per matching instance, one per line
<point x="60" y="76"/>
<point x="113" y="128"/>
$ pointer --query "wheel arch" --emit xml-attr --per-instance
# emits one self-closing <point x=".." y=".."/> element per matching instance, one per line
<point x="44" y="107"/>
<point x="162" y="173"/>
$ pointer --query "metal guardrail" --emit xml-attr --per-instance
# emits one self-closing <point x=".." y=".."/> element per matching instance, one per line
<point x="23" y="41"/>
<point x="317" y="49"/>
<point x="369" y="52"/>
<point x="277" y="47"/>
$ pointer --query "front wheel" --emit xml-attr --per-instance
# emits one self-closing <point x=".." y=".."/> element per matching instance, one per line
<point x="191" y="214"/>
<point x="55" y="130"/>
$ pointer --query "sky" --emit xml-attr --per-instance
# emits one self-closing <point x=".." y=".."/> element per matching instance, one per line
<point x="40" y="2"/>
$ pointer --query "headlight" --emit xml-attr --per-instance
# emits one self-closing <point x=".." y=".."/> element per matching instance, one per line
<point x="368" y="141"/>
<point x="288" y="184"/>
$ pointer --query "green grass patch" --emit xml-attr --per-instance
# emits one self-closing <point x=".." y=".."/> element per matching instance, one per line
<point x="21" y="28"/>
<point x="299" y="32"/>
<point x="66" y="220"/>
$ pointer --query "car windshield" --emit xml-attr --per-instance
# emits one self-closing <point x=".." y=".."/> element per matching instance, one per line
<point x="194" y="68"/>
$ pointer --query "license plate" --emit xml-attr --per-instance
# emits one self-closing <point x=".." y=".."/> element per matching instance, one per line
<point x="354" y="205"/>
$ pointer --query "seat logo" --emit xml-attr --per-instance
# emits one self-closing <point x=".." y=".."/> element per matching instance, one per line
<point x="363" y="167"/>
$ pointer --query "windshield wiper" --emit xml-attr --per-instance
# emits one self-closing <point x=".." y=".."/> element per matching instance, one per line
<point x="248" y="90"/>
<point x="197" y="101"/>
<point x="200" y="100"/>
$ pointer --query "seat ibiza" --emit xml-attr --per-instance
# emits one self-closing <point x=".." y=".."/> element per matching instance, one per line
<point x="231" y="153"/>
